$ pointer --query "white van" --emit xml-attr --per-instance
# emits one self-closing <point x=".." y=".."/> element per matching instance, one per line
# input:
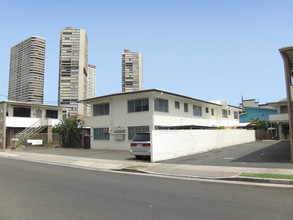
<point x="141" y="145"/>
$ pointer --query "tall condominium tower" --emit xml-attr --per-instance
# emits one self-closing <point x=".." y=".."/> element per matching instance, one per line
<point x="131" y="71"/>
<point x="91" y="84"/>
<point x="73" y="66"/>
<point x="26" y="74"/>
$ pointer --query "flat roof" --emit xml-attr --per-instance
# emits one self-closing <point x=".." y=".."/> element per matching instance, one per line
<point x="32" y="104"/>
<point x="281" y="101"/>
<point x="149" y="91"/>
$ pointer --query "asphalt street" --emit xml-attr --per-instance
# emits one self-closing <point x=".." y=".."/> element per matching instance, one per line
<point x="38" y="191"/>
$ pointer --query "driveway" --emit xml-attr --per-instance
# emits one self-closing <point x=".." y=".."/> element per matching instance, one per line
<point x="261" y="154"/>
<point x="90" y="153"/>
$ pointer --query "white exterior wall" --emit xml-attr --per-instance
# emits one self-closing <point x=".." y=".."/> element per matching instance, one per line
<point x="177" y="117"/>
<point x="168" y="144"/>
<point x="23" y="122"/>
<point x="2" y="125"/>
<point x="118" y="117"/>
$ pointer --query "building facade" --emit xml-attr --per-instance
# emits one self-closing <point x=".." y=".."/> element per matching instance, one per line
<point x="26" y="74"/>
<point x="132" y="75"/>
<point x="73" y="67"/>
<point x="254" y="110"/>
<point x="116" y="118"/>
<point x="91" y="85"/>
<point x="281" y="118"/>
<point x="17" y="116"/>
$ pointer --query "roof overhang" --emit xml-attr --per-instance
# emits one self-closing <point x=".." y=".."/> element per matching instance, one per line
<point x="157" y="91"/>
<point x="30" y="104"/>
<point x="289" y="52"/>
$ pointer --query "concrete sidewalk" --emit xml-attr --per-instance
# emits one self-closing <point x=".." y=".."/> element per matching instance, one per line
<point x="180" y="170"/>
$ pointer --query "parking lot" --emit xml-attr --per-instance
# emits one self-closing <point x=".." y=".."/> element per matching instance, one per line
<point x="262" y="154"/>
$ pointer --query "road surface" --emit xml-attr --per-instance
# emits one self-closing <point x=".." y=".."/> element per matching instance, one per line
<point x="39" y="191"/>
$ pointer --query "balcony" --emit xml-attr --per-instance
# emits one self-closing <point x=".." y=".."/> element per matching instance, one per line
<point x="279" y="118"/>
<point x="24" y="122"/>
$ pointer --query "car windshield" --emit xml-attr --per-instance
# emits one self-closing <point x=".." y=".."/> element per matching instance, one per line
<point x="142" y="137"/>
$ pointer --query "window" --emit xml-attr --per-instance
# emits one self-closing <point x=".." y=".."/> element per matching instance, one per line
<point x="235" y="115"/>
<point x="207" y="110"/>
<point x="101" y="109"/>
<point x="229" y="112"/>
<point x="51" y="114"/>
<point x="21" y="112"/>
<point x="161" y="105"/>
<point x="133" y="130"/>
<point x="177" y="105"/>
<point x="101" y="134"/>
<point x="138" y="105"/>
<point x="212" y="111"/>
<point x="185" y="107"/>
<point x="284" y="109"/>
<point x="197" y="111"/>
<point x="224" y="113"/>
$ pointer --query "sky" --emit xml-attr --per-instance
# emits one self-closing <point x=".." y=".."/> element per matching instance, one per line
<point x="205" y="49"/>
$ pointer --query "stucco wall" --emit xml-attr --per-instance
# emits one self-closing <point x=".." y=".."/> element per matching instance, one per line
<point x="168" y="144"/>
<point x="117" y="118"/>
<point x="120" y="118"/>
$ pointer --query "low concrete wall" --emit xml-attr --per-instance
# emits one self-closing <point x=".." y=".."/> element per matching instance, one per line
<point x="168" y="144"/>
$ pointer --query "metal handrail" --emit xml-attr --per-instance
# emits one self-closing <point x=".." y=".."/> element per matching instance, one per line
<point x="27" y="132"/>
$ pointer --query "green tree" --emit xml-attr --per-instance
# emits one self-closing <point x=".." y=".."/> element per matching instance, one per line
<point x="71" y="132"/>
<point x="259" y="124"/>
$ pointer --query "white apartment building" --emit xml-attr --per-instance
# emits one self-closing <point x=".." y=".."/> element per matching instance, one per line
<point x="281" y="118"/>
<point x="17" y="116"/>
<point x="26" y="74"/>
<point x="73" y="67"/>
<point x="116" y="118"/>
<point x="91" y="84"/>
<point x="132" y="76"/>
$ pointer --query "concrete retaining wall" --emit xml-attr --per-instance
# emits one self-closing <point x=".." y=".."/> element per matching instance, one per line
<point x="168" y="144"/>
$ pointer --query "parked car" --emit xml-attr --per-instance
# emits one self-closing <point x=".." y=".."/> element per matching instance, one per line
<point x="140" y="145"/>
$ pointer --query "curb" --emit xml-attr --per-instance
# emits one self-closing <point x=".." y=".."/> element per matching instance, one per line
<point x="261" y="180"/>
<point x="239" y="179"/>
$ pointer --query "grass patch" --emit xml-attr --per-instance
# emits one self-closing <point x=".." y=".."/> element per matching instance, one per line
<point x="137" y="167"/>
<point x="265" y="175"/>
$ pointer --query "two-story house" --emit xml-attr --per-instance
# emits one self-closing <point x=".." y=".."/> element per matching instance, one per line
<point x="281" y="118"/>
<point x="16" y="116"/>
<point x="116" y="118"/>
<point x="253" y="109"/>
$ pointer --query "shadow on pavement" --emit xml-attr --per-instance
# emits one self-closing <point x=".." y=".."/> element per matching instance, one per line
<point x="276" y="153"/>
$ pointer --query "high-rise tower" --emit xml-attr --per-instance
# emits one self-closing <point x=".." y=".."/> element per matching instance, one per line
<point x="91" y="84"/>
<point x="131" y="71"/>
<point x="73" y="66"/>
<point x="26" y="74"/>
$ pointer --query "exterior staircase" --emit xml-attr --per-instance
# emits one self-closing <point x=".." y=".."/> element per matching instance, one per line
<point x="38" y="126"/>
